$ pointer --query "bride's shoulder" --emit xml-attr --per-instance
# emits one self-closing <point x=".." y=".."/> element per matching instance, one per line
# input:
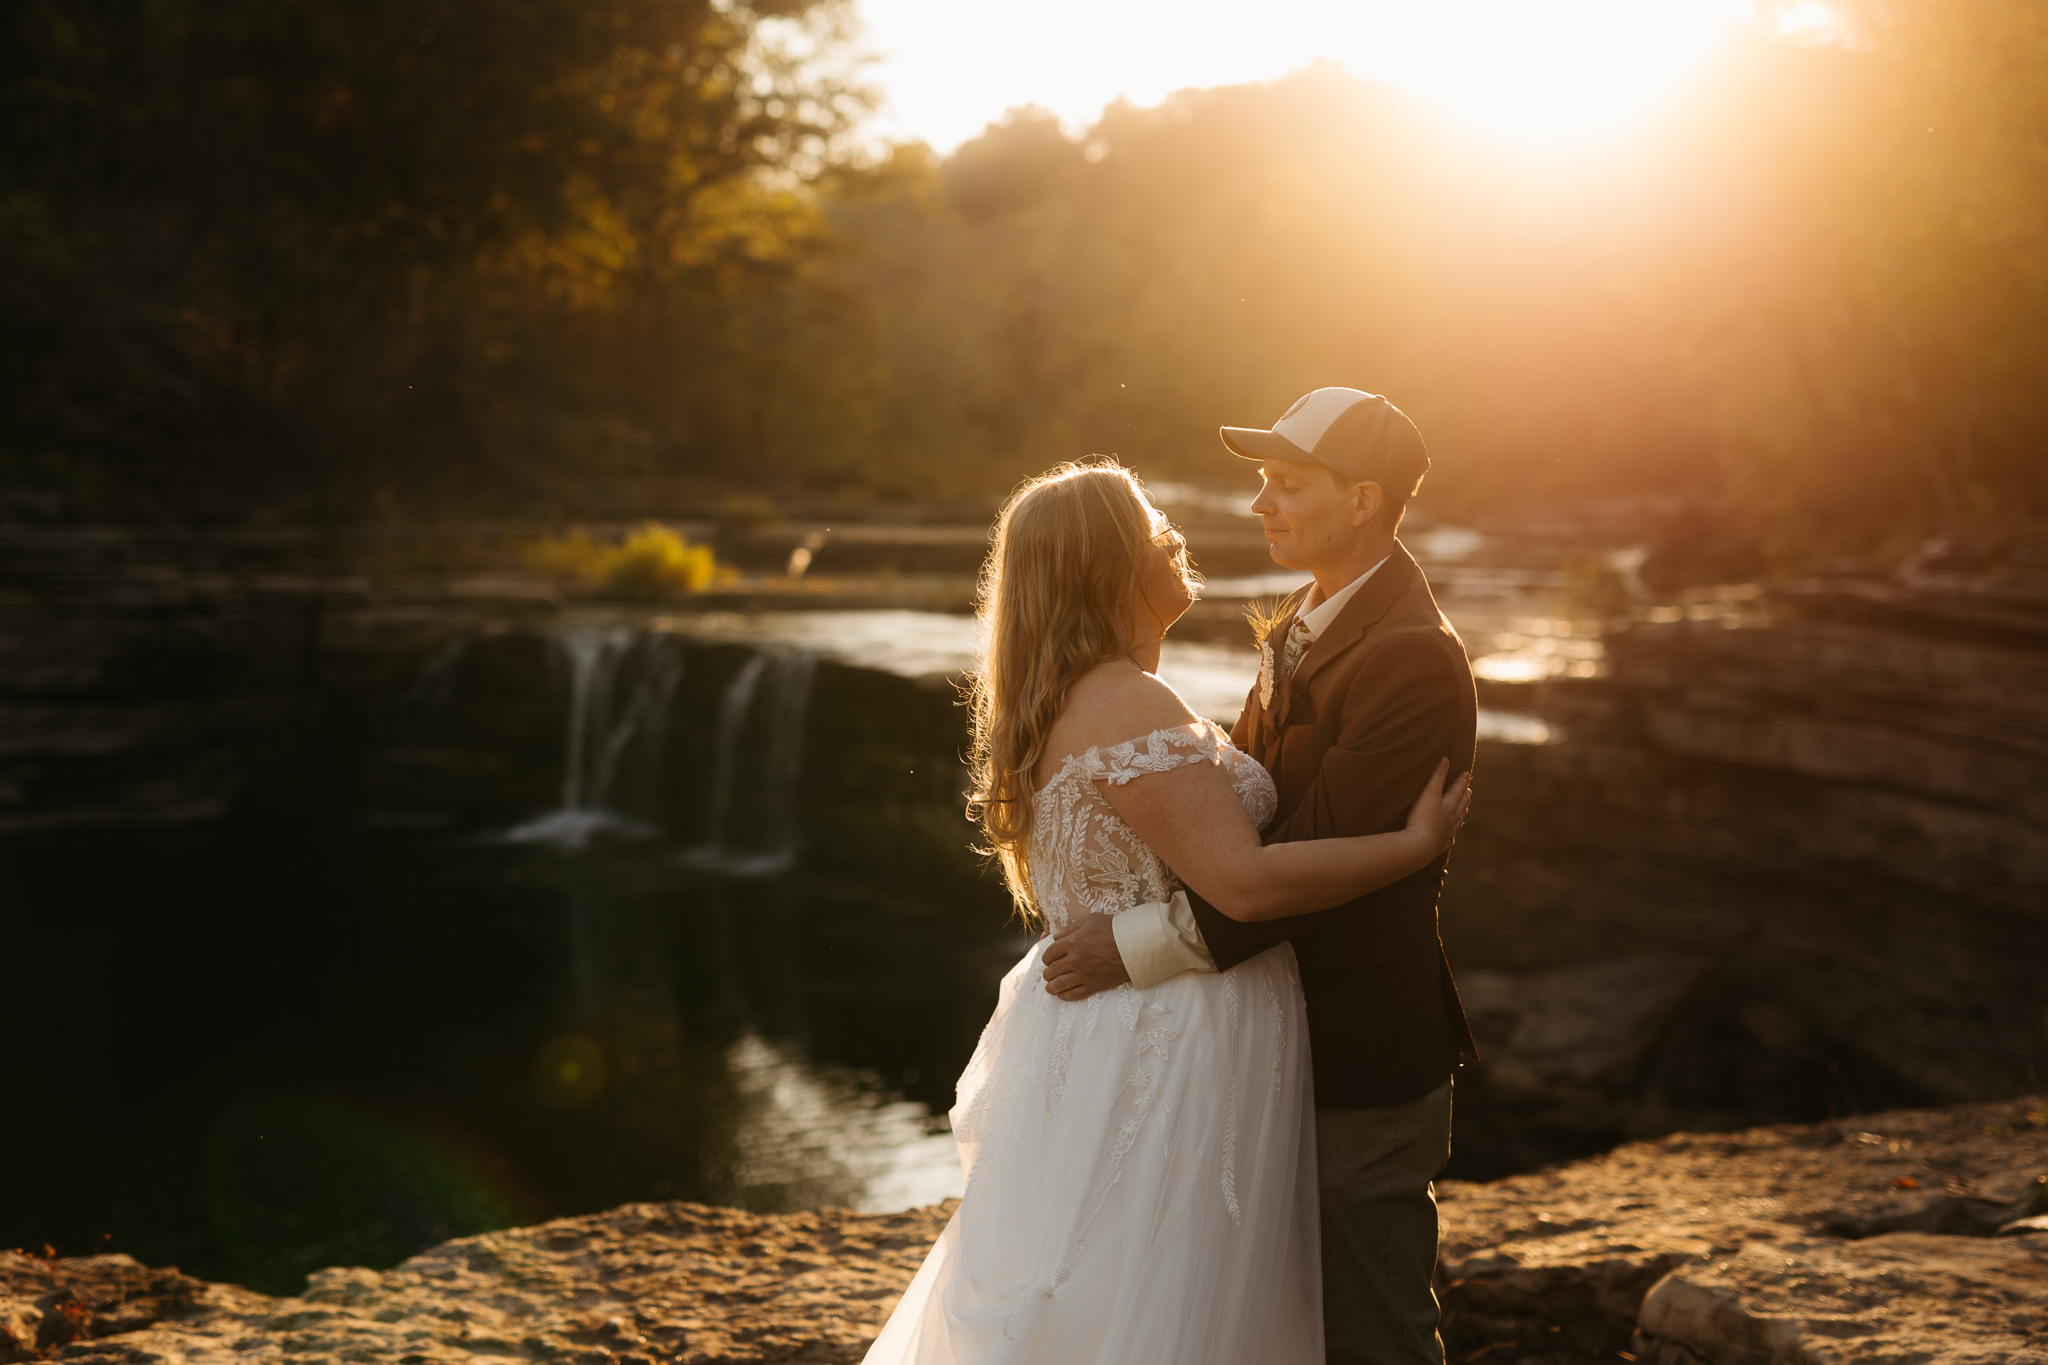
<point x="1112" y="703"/>
<point x="1123" y="701"/>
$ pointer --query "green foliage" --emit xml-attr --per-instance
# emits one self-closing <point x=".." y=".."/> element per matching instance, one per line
<point x="341" y="249"/>
<point x="653" y="560"/>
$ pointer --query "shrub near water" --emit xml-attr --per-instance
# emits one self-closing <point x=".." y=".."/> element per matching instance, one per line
<point x="652" y="561"/>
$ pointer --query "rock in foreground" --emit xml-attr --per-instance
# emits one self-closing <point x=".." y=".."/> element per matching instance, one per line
<point x="1914" y="1236"/>
<point x="679" y="1283"/>
<point x="1870" y="1239"/>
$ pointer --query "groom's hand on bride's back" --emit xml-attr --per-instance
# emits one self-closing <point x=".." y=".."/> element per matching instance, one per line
<point x="1083" y="959"/>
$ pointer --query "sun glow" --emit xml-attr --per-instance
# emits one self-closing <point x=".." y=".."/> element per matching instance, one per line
<point x="1536" y="73"/>
<point x="1550" y="73"/>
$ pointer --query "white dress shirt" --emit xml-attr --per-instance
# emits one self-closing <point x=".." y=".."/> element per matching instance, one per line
<point x="1160" y="938"/>
<point x="1319" y="617"/>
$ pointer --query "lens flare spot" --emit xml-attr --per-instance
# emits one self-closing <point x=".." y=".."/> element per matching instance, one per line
<point x="569" y="1072"/>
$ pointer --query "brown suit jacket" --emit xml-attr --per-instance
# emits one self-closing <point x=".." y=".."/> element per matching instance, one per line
<point x="1382" y="695"/>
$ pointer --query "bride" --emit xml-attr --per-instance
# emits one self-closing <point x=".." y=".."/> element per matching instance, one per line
<point x="1141" y="1185"/>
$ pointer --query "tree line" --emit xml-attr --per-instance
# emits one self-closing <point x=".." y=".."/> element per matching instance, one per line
<point x="461" y="256"/>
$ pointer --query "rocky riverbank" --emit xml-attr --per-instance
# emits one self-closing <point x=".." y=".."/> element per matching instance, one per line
<point x="1786" y="854"/>
<point x="1913" y="1236"/>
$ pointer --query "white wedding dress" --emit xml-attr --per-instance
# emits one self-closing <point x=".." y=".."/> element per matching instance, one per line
<point x="1141" y="1184"/>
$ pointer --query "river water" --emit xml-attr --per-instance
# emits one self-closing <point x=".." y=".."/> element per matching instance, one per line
<point x="631" y="905"/>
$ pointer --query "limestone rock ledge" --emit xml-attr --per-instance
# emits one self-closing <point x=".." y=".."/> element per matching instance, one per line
<point x="682" y="1284"/>
<point x="1913" y="1236"/>
<point x="1910" y="1236"/>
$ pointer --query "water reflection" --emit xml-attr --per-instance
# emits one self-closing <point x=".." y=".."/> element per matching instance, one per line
<point x="1532" y="649"/>
<point x="811" y="1136"/>
<point x="1516" y="620"/>
<point x="1212" y="677"/>
<point x="907" y="643"/>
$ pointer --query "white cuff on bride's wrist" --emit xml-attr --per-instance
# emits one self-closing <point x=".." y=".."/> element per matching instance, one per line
<point x="1160" y="939"/>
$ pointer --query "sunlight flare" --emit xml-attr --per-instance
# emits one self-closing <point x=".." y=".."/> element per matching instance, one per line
<point x="1559" y="73"/>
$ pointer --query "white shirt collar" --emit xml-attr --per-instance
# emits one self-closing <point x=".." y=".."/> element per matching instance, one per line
<point x="1319" y="617"/>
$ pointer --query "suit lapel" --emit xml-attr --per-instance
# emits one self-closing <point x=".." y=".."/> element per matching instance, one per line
<point x="1361" y="613"/>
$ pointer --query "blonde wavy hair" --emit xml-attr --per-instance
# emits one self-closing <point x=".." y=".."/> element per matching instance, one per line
<point x="1056" y="591"/>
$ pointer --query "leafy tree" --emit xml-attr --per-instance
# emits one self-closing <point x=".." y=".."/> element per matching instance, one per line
<point x="347" y="246"/>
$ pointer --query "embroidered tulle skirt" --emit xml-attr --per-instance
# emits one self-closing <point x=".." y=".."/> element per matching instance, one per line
<point x="1141" y="1185"/>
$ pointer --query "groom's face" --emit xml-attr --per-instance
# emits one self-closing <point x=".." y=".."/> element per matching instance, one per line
<point x="1310" y="515"/>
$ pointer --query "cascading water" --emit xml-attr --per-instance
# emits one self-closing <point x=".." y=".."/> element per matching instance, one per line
<point x="732" y="718"/>
<point x="621" y="683"/>
<point x="772" y="778"/>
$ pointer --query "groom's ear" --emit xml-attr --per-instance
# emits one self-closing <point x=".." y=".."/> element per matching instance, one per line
<point x="1368" y="498"/>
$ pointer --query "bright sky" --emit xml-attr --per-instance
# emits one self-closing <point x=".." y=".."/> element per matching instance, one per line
<point x="1544" y="73"/>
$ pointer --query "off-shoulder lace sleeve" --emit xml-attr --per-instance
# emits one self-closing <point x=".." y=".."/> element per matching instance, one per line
<point x="1085" y="858"/>
<point x="1158" y="752"/>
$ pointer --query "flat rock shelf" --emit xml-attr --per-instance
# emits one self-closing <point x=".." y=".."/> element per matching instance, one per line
<point x="1909" y="1236"/>
<point x="683" y="1283"/>
<point x="1912" y="1236"/>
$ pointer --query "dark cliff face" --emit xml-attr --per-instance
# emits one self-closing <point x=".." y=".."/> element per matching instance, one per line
<point x="137" y="685"/>
<point x="1788" y="857"/>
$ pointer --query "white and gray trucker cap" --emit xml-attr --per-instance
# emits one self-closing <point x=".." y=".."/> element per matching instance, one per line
<point x="1360" y="435"/>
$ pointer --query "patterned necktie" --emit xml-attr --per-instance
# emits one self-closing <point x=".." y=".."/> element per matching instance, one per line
<point x="1297" y="643"/>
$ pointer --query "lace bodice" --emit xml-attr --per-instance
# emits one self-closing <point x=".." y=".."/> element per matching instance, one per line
<point x="1085" y="859"/>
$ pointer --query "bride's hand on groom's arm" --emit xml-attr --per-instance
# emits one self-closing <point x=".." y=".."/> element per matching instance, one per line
<point x="1083" y="959"/>
<point x="1434" y="819"/>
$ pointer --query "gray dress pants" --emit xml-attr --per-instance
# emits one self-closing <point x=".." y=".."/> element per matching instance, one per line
<point x="1374" y="1167"/>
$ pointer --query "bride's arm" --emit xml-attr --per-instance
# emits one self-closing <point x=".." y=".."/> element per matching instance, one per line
<point x="1196" y="823"/>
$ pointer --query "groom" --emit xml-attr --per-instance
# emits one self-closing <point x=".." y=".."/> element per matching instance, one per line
<point x="1363" y="686"/>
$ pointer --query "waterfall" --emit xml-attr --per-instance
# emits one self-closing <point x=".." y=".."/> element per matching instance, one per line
<point x="732" y="717"/>
<point x="767" y="774"/>
<point x="785" y="758"/>
<point x="621" y="682"/>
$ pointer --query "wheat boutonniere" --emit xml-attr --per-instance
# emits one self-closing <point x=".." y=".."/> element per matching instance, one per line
<point x="1264" y="619"/>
